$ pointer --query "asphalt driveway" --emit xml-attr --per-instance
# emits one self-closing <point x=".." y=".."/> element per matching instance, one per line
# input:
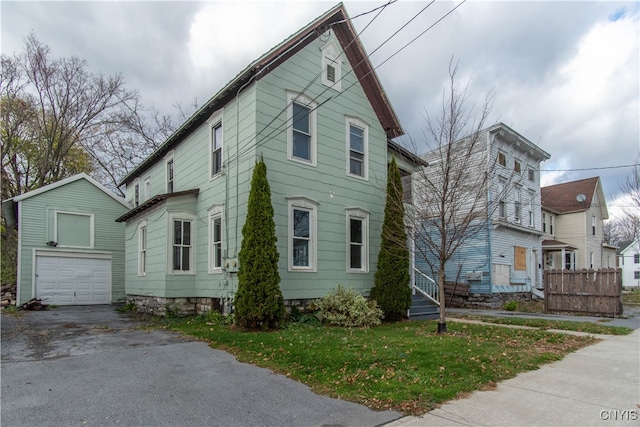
<point x="77" y="366"/>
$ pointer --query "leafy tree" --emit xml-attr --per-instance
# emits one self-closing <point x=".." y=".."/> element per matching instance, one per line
<point x="391" y="289"/>
<point x="259" y="303"/>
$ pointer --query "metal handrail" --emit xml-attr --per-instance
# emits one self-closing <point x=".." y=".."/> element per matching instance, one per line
<point x="426" y="289"/>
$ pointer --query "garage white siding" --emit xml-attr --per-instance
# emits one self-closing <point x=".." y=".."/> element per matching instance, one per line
<point x="73" y="280"/>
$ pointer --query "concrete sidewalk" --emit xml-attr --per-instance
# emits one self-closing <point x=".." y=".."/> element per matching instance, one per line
<point x="597" y="385"/>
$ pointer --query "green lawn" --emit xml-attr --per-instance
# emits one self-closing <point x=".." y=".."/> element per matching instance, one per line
<point x="404" y="366"/>
<point x="632" y="297"/>
<point x="543" y="324"/>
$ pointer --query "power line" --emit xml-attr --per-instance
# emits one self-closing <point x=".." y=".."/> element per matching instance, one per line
<point x="269" y="137"/>
<point x="246" y="148"/>
<point x="590" y="169"/>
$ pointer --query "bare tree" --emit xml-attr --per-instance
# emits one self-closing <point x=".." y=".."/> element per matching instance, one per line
<point x="451" y="197"/>
<point x="628" y="226"/>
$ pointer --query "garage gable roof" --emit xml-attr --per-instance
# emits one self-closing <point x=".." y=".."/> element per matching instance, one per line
<point x="69" y="180"/>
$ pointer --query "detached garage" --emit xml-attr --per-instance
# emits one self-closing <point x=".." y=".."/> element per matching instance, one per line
<point x="70" y="249"/>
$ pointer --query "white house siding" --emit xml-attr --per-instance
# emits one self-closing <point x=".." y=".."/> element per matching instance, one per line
<point x="628" y="266"/>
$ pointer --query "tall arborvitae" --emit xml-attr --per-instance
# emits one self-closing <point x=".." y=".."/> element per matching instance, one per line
<point x="259" y="303"/>
<point x="391" y="290"/>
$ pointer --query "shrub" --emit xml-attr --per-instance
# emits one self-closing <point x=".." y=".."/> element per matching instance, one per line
<point x="511" y="306"/>
<point x="347" y="307"/>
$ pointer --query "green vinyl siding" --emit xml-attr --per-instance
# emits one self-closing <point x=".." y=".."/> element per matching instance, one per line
<point x="37" y="215"/>
<point x="255" y="127"/>
<point x="73" y="229"/>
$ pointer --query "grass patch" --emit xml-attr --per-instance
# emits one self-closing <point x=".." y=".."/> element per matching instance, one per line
<point x="631" y="297"/>
<point x="403" y="366"/>
<point x="543" y="324"/>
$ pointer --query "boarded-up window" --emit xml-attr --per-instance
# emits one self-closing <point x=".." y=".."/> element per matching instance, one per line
<point x="501" y="274"/>
<point x="520" y="257"/>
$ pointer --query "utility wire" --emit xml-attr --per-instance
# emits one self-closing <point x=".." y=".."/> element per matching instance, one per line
<point x="248" y="146"/>
<point x="269" y="137"/>
<point x="590" y="169"/>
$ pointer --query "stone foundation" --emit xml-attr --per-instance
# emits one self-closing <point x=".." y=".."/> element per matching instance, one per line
<point x="301" y="304"/>
<point x="495" y="301"/>
<point x="159" y="306"/>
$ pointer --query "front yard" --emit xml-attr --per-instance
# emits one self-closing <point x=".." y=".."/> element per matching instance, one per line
<point x="404" y="366"/>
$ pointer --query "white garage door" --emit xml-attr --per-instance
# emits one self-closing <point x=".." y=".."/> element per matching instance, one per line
<point x="68" y="280"/>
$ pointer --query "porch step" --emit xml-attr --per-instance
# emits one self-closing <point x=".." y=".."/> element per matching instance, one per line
<point x="422" y="309"/>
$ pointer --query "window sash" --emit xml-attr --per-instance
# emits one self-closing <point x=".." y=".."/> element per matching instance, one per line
<point x="142" y="263"/>
<point x="217" y="242"/>
<point x="301" y="238"/>
<point x="216" y="149"/>
<point x="356" y="150"/>
<point x="356" y="243"/>
<point x="181" y="245"/>
<point x="136" y="195"/>
<point x="301" y="132"/>
<point x="170" y="176"/>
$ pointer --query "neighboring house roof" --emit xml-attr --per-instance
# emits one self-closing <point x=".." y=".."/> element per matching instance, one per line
<point x="565" y="198"/>
<point x="336" y="19"/>
<point x="624" y="246"/>
<point x="512" y="137"/>
<point x="405" y="154"/>
<point x="154" y="201"/>
<point x="68" y="181"/>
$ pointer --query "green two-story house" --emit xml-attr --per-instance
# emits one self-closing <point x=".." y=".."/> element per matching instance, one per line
<point x="315" y="110"/>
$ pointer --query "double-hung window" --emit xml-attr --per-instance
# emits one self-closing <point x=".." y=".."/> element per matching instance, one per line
<point x="182" y="245"/>
<point x="142" y="248"/>
<point x="215" y="239"/>
<point x="302" y="234"/>
<point x="532" y="218"/>
<point x="357" y="147"/>
<point x="216" y="138"/>
<point x="593" y="225"/>
<point x="357" y="241"/>
<point x="302" y="132"/>
<point x="216" y="149"/>
<point x="169" y="175"/>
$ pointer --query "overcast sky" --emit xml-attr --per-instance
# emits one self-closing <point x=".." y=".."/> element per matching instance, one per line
<point x="565" y="74"/>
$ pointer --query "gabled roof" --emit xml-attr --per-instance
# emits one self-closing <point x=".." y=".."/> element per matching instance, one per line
<point x="335" y="19"/>
<point x="566" y="197"/>
<point x="69" y="180"/>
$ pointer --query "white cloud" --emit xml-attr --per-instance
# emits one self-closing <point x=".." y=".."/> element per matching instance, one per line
<point x="224" y="37"/>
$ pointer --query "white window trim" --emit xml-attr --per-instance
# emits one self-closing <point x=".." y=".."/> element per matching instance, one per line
<point x="213" y="122"/>
<point x="147" y="188"/>
<point x="517" y="205"/>
<point x="532" y="210"/>
<point x="216" y="211"/>
<point x="142" y="268"/>
<point x="136" y="185"/>
<point x="303" y="203"/>
<point x="502" y="205"/>
<point x="91" y="228"/>
<point x="365" y="162"/>
<point x="330" y="57"/>
<point x="303" y="100"/>
<point x="182" y="216"/>
<point x="169" y="158"/>
<point x="363" y="215"/>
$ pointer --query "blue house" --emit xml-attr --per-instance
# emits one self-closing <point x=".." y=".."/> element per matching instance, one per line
<point x="504" y="256"/>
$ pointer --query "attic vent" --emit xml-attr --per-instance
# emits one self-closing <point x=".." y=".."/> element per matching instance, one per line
<point x="331" y="73"/>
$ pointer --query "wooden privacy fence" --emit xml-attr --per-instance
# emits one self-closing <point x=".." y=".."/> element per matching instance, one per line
<point x="594" y="292"/>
